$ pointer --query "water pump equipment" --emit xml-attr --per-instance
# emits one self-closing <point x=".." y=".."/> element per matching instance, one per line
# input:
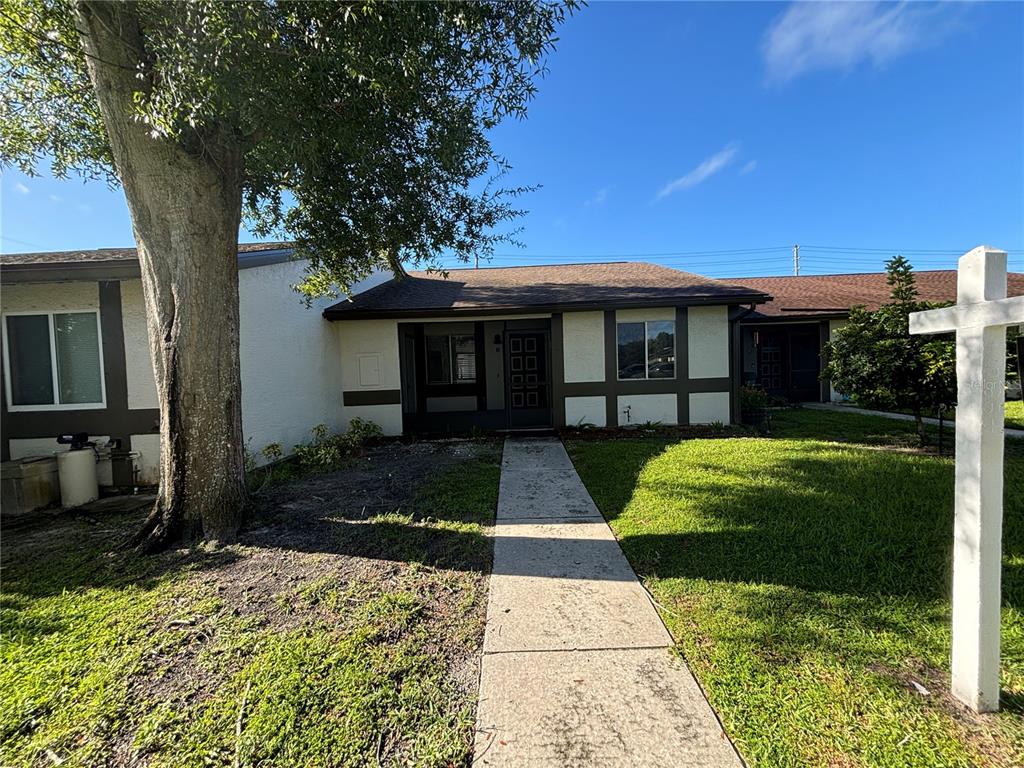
<point x="76" y="470"/>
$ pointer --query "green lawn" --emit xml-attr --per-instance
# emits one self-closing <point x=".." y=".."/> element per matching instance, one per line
<point x="806" y="582"/>
<point x="331" y="635"/>
<point x="1014" y="418"/>
<point x="1015" y="414"/>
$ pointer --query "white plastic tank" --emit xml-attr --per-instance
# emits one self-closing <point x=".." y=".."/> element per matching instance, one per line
<point x="77" y="473"/>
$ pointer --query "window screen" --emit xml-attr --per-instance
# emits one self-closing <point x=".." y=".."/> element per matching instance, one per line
<point x="465" y="358"/>
<point x="68" y="340"/>
<point x="28" y="355"/>
<point x="631" y="351"/>
<point x="451" y="359"/>
<point x="647" y="350"/>
<point x="439" y="360"/>
<point x="78" y="358"/>
<point x="661" y="349"/>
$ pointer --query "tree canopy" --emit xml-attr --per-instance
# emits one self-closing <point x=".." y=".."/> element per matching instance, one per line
<point x="876" y="361"/>
<point x="361" y="125"/>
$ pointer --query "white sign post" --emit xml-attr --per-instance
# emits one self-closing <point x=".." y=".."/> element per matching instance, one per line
<point x="980" y="318"/>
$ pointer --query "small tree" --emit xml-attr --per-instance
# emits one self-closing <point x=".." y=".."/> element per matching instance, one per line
<point x="354" y="129"/>
<point x="874" y="359"/>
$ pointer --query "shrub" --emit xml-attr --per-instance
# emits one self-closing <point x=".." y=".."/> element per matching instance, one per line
<point x="362" y="432"/>
<point x="325" y="451"/>
<point x="328" y="450"/>
<point x="752" y="398"/>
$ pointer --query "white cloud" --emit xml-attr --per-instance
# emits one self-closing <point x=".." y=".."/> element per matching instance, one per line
<point x="840" y="35"/>
<point x="709" y="167"/>
<point x="20" y="188"/>
<point x="598" y="198"/>
<point x="750" y="167"/>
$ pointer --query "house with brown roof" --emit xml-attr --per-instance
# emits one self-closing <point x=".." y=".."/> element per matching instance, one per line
<point x="609" y="344"/>
<point x="496" y="348"/>
<point x="783" y="340"/>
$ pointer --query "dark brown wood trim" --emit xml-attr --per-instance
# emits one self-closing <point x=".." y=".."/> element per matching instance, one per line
<point x="372" y="397"/>
<point x="823" y="337"/>
<point x="611" y="369"/>
<point x="557" y="370"/>
<point x="735" y="370"/>
<point x="682" y="366"/>
<point x="717" y="384"/>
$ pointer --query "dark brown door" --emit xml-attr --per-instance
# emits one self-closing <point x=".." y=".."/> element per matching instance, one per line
<point x="804" y="365"/>
<point x="529" y="397"/>
<point x="769" y="363"/>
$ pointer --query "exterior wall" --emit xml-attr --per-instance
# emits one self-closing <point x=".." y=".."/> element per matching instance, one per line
<point x="640" y="409"/>
<point x="290" y="369"/>
<point x="494" y="365"/>
<point x="707" y="363"/>
<point x="50" y="297"/>
<point x="290" y="366"/>
<point x="147" y="463"/>
<point x="586" y="410"/>
<point x="370" y="378"/>
<point x="709" y="407"/>
<point x="708" y="342"/>
<point x="137" y="357"/>
<point x="583" y="346"/>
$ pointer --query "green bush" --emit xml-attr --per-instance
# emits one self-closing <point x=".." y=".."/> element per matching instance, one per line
<point x="362" y="432"/>
<point x="327" y="450"/>
<point x="752" y="398"/>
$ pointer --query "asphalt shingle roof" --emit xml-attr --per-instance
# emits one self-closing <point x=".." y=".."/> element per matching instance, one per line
<point x="106" y="255"/>
<point x="810" y="295"/>
<point x="509" y="288"/>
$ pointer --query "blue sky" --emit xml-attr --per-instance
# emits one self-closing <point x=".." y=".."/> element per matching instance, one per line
<point x="712" y="137"/>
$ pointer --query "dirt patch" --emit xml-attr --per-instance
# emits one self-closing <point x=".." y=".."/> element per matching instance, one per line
<point x="315" y="551"/>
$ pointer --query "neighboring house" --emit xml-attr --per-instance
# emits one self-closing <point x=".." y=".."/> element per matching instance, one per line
<point x="540" y="347"/>
<point x="76" y="356"/>
<point x="783" y="340"/>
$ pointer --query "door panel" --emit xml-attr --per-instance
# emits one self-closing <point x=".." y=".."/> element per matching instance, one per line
<point x="529" y="396"/>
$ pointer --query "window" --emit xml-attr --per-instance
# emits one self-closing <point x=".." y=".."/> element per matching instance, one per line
<point x="53" y="360"/>
<point x="451" y="359"/>
<point x="647" y="350"/>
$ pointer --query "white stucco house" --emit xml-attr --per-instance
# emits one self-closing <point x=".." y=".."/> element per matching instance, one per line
<point x="517" y="348"/>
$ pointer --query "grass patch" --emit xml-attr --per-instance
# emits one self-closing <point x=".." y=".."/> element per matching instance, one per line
<point x="328" y="636"/>
<point x="806" y="582"/>
<point x="1014" y="410"/>
<point x="1015" y="414"/>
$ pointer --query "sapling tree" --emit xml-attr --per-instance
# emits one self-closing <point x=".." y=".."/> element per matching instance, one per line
<point x="874" y="359"/>
<point x="354" y="129"/>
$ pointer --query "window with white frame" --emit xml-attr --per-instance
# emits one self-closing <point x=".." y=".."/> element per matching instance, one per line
<point x="451" y="359"/>
<point x="53" y="360"/>
<point x="647" y="350"/>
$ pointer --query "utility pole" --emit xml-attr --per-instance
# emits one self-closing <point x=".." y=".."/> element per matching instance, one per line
<point x="796" y="260"/>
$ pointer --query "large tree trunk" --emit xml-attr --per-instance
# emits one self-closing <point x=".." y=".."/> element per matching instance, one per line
<point x="185" y="203"/>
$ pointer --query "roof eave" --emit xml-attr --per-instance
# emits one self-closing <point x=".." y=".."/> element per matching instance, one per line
<point x="115" y="269"/>
<point x="336" y="312"/>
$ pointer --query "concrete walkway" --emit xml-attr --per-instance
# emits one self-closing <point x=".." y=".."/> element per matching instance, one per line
<point x="576" y="668"/>
<point x="1015" y="433"/>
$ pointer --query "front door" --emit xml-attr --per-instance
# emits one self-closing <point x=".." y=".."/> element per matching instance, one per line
<point x="804" y="366"/>
<point x="529" y="396"/>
